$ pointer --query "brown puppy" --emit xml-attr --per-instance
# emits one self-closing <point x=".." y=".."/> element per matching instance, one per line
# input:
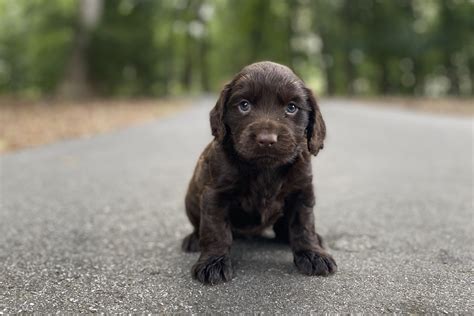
<point x="257" y="172"/>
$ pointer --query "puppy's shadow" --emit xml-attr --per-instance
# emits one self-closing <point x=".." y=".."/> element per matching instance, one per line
<point x="261" y="254"/>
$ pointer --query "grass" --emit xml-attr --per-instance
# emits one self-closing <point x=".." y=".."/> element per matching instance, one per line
<point x="26" y="124"/>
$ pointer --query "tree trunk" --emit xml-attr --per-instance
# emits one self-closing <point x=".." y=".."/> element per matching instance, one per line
<point x="188" y="63"/>
<point x="204" y="65"/>
<point x="349" y="67"/>
<point x="454" y="88"/>
<point x="384" y="85"/>
<point x="75" y="83"/>
<point x="292" y="9"/>
<point x="350" y="75"/>
<point x="187" y="74"/>
<point x="418" y="88"/>
<point x="204" y="51"/>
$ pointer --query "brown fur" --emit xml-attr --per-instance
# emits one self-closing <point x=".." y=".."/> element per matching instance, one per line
<point x="256" y="173"/>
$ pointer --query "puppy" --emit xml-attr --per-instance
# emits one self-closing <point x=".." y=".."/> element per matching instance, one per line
<point x="256" y="173"/>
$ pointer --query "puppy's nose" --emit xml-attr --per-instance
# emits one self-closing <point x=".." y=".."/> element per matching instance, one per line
<point x="267" y="138"/>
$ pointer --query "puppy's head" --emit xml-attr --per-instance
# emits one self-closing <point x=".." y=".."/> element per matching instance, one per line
<point x="268" y="115"/>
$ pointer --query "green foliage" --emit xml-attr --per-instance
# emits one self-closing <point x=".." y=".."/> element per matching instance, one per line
<point x="122" y="51"/>
<point x="35" y="39"/>
<point x="147" y="47"/>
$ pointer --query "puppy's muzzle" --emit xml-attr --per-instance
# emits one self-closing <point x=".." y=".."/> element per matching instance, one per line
<point x="267" y="139"/>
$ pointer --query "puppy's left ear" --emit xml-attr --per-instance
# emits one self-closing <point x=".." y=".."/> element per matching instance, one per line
<point x="217" y="114"/>
<point x="316" y="130"/>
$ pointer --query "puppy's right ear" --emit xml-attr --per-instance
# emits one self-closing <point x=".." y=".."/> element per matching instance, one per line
<point x="316" y="131"/>
<point x="217" y="114"/>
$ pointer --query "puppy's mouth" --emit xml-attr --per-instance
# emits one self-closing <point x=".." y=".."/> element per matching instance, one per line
<point x="268" y="156"/>
<point x="268" y="159"/>
<point x="272" y="155"/>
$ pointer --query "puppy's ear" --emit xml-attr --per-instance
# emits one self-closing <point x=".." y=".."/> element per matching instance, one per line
<point x="217" y="114"/>
<point x="316" y="130"/>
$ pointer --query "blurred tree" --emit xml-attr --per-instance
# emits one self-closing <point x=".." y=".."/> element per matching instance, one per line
<point x="34" y="40"/>
<point x="76" y="83"/>
<point x="146" y="47"/>
<point x="122" y="51"/>
<point x="252" y="30"/>
<point x="454" y="40"/>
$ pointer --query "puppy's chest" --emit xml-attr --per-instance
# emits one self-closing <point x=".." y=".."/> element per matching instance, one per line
<point x="258" y="204"/>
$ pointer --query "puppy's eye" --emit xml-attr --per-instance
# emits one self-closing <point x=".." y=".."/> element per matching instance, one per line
<point x="291" y="108"/>
<point x="244" y="106"/>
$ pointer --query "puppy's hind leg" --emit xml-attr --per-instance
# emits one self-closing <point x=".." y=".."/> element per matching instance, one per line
<point x="191" y="241"/>
<point x="281" y="229"/>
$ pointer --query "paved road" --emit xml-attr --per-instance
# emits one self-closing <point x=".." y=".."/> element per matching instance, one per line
<point x="95" y="225"/>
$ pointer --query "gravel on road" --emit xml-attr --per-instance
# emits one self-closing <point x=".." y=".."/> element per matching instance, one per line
<point x="95" y="225"/>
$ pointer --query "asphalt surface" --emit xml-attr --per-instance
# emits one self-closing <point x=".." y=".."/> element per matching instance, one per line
<point x="95" y="225"/>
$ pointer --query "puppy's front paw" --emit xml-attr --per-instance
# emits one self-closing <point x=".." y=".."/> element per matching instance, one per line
<point x="213" y="269"/>
<point x="314" y="263"/>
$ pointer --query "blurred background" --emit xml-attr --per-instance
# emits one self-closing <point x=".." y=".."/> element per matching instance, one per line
<point x="96" y="49"/>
